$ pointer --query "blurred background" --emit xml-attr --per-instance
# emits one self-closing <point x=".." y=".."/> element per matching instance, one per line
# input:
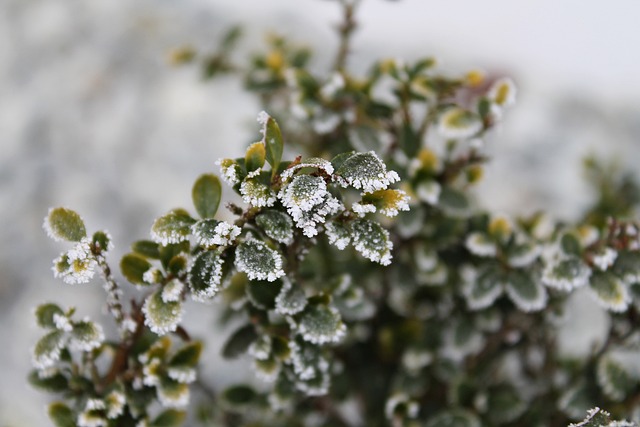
<point x="92" y="117"/>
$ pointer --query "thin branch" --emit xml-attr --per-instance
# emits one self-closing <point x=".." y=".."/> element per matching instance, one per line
<point x="345" y="30"/>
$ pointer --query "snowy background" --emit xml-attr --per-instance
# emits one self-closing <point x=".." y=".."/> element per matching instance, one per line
<point x="93" y="118"/>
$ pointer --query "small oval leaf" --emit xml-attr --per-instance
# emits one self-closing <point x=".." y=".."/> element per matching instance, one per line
<point x="64" y="224"/>
<point x="206" y="194"/>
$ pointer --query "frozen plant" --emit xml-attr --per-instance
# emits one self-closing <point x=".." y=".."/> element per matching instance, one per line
<point x="364" y="284"/>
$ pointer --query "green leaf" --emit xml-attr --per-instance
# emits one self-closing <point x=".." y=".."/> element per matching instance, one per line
<point x="409" y="141"/>
<point x="146" y="248"/>
<point x="291" y="299"/>
<point x="169" y="418"/>
<point x="160" y="316"/>
<point x="173" y="393"/>
<point x="57" y="383"/>
<point x="609" y="291"/>
<point x="263" y="294"/>
<point x="570" y="244"/>
<point x="187" y="356"/>
<point x="273" y="143"/>
<point x="454" y="202"/>
<point x="614" y="378"/>
<point x="454" y="418"/>
<point x="239" y="395"/>
<point x="577" y="400"/>
<point x="627" y="266"/>
<point x="365" y="171"/>
<point x="255" y="157"/>
<point x="173" y="227"/>
<point x="526" y="294"/>
<point x="566" y="274"/>
<point x="64" y="224"/>
<point x="170" y="251"/>
<point x="45" y="315"/>
<point x="504" y="404"/>
<point x="277" y="225"/>
<point x="101" y="241"/>
<point x="320" y="324"/>
<point x="239" y="342"/>
<point x="133" y="267"/>
<point x="206" y="194"/>
<point x="205" y="275"/>
<point x="61" y="415"/>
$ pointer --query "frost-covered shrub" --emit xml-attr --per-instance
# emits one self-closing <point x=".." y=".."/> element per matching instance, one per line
<point x="368" y="286"/>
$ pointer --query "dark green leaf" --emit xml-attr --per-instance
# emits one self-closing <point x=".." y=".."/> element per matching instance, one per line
<point x="187" y="356"/>
<point x="263" y="294"/>
<point x="255" y="156"/>
<point x="206" y="194"/>
<point x="273" y="143"/>
<point x="65" y="224"/>
<point x="146" y="248"/>
<point x="57" y="383"/>
<point x="239" y="395"/>
<point x="133" y="267"/>
<point x="239" y="342"/>
<point x="169" y="418"/>
<point x="45" y="313"/>
<point x="61" y="415"/>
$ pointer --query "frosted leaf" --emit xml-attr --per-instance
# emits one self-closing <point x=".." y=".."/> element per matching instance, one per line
<point x="86" y="336"/>
<point x="308" y="221"/>
<point x="152" y="276"/>
<point x="428" y="191"/>
<point x="277" y="225"/>
<point x="64" y="224"/>
<point x="76" y="265"/>
<point x="575" y="400"/>
<point x="481" y="289"/>
<point x="152" y="371"/>
<point x="161" y="317"/>
<point x="320" y="324"/>
<point x="523" y="255"/>
<point x="614" y="379"/>
<point x="566" y="274"/>
<point x="597" y="417"/>
<point x="313" y="162"/>
<point x="257" y="194"/>
<point x="318" y="385"/>
<point x="372" y="241"/>
<point x="609" y="291"/>
<point x="302" y="194"/>
<point x="362" y="209"/>
<point x="259" y="261"/>
<point x="173" y="394"/>
<point x="210" y="232"/>
<point x="503" y="92"/>
<point x="605" y="258"/>
<point x="462" y="339"/>
<point x="307" y="360"/>
<point x="426" y="258"/>
<point x="457" y="123"/>
<point x="435" y="277"/>
<point x="388" y="202"/>
<point x="231" y="171"/>
<point x="365" y="171"/>
<point x="92" y="416"/>
<point x="47" y="350"/>
<point x="172" y="291"/>
<point x="174" y="227"/>
<point x="205" y="275"/>
<point x="400" y="404"/>
<point x="481" y="244"/>
<point x="267" y="370"/>
<point x="282" y="394"/>
<point x="115" y="402"/>
<point x="291" y="299"/>
<point x="338" y="234"/>
<point x="526" y="294"/>
<point x="627" y="266"/>
<point x="414" y="359"/>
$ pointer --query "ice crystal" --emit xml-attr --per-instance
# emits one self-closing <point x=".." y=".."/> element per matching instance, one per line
<point x="389" y="202"/>
<point x="321" y="324"/>
<point x="307" y="361"/>
<point x="338" y="235"/>
<point x="77" y="265"/>
<point x="372" y="241"/>
<point x="291" y="299"/>
<point x="259" y="261"/>
<point x="365" y="171"/>
<point x="160" y="316"/>
<point x="152" y="276"/>
<point x="277" y="225"/>
<point x="457" y="123"/>
<point x="605" y="259"/>
<point x="174" y="227"/>
<point x="230" y="171"/>
<point x="151" y="372"/>
<point x="62" y="322"/>
<point x="313" y="162"/>
<point x="172" y="291"/>
<point x="256" y="193"/>
<point x="183" y="374"/>
<point x="362" y="209"/>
